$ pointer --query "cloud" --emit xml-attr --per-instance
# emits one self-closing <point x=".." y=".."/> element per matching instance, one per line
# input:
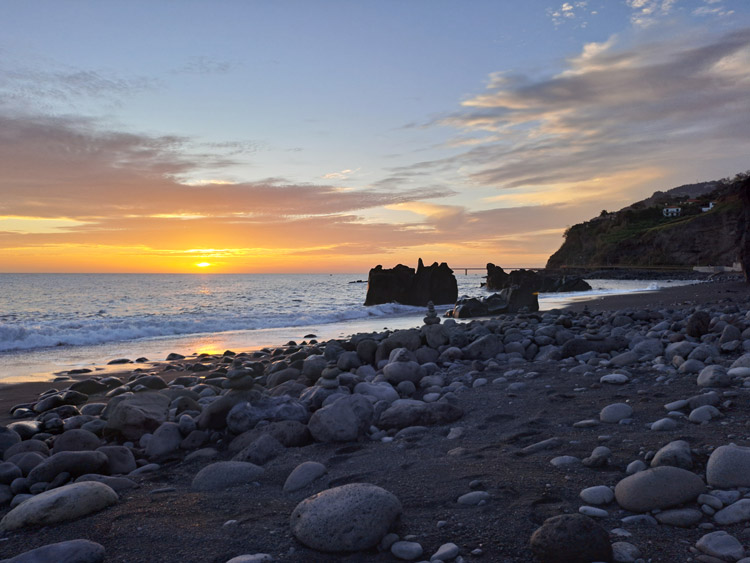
<point x="570" y="12"/>
<point x="616" y="108"/>
<point x="646" y="13"/>
<point x="342" y="175"/>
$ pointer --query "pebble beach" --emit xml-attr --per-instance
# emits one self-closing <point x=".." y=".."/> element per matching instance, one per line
<point x="615" y="429"/>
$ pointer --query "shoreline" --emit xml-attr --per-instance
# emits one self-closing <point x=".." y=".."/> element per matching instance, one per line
<point x="701" y="292"/>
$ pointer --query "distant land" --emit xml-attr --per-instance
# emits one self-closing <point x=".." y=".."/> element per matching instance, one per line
<point x="687" y="226"/>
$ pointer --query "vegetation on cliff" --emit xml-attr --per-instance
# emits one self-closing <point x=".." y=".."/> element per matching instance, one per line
<point x="703" y="233"/>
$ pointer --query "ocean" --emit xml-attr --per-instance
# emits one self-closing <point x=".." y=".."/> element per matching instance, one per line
<point x="51" y="323"/>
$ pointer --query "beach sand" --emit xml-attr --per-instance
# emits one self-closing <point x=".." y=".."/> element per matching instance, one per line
<point x="164" y="520"/>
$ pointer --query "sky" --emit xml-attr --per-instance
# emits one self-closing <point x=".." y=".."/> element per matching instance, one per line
<point x="263" y="136"/>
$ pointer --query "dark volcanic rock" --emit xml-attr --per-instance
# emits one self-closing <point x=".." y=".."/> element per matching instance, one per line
<point x="571" y="538"/>
<point x="403" y="285"/>
<point x="531" y="281"/>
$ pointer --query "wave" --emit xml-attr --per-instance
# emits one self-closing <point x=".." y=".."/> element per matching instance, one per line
<point x="30" y="335"/>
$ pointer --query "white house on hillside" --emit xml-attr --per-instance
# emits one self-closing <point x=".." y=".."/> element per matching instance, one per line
<point x="671" y="211"/>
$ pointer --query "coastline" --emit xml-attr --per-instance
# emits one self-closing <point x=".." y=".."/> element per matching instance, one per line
<point x="701" y="293"/>
<point x="517" y="416"/>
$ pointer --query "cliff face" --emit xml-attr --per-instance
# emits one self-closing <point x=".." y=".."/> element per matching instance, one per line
<point x="641" y="236"/>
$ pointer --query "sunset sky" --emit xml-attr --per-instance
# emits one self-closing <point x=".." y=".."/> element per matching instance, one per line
<point x="331" y="135"/>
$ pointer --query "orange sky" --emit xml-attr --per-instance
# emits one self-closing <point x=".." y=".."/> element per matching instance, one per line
<point x="260" y="148"/>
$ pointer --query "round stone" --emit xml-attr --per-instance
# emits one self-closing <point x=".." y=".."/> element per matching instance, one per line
<point x="406" y="550"/>
<point x="729" y="467"/>
<point x="658" y="487"/>
<point x="600" y="494"/>
<point x="351" y="517"/>
<point x="614" y="413"/>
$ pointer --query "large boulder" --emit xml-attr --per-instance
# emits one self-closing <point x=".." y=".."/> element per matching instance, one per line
<point x="658" y="487"/>
<point x="60" y="505"/>
<point x="137" y="415"/>
<point x="403" y="285"/>
<point x="351" y="517"/>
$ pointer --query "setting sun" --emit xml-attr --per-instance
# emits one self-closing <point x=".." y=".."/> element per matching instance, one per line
<point x="203" y="264"/>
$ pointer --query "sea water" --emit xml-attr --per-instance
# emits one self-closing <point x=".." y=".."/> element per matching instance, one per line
<point x="56" y="322"/>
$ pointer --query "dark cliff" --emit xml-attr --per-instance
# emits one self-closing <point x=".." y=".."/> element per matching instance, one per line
<point x="641" y="236"/>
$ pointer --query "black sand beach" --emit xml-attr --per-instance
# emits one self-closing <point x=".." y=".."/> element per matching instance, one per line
<point x="516" y="416"/>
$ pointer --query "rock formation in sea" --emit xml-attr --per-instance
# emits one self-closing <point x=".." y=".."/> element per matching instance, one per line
<point x="404" y="285"/>
<point x="544" y="282"/>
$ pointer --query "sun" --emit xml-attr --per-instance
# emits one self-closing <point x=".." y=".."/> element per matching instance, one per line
<point x="203" y="264"/>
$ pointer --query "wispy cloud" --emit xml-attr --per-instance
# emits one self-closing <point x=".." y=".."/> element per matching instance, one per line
<point x="647" y="12"/>
<point x="615" y="108"/>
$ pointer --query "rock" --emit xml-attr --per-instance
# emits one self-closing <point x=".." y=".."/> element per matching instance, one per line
<point x="342" y="421"/>
<point x="351" y="517"/>
<point x="59" y="505"/>
<point x="137" y="415"/>
<point x="483" y="348"/>
<point x="400" y="371"/>
<point x="571" y="537"/>
<point x="214" y="415"/>
<point x="9" y="472"/>
<point x="473" y="498"/>
<point x="676" y="454"/>
<point x="735" y="512"/>
<point x="27" y="446"/>
<point x="714" y="376"/>
<point x="403" y="285"/>
<point x="615" y="412"/>
<point x="600" y="494"/>
<point x="624" y="552"/>
<point x="614" y="379"/>
<point x="721" y="545"/>
<point x="76" y="440"/>
<point x="698" y="324"/>
<point x="406" y="550"/>
<point x="729" y="467"/>
<point x="680" y="517"/>
<point x="120" y="460"/>
<point x="224" y="474"/>
<point x="658" y="487"/>
<point x="8" y="438"/>
<point x="664" y="425"/>
<point x="416" y="413"/>
<point x="74" y="463"/>
<point x="290" y="433"/>
<point x="252" y="558"/>
<point x="703" y="414"/>
<point x="165" y="441"/>
<point x="382" y="391"/>
<point x="73" y="551"/>
<point x="246" y="415"/>
<point x="261" y="451"/>
<point x="446" y="552"/>
<point x="304" y="474"/>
